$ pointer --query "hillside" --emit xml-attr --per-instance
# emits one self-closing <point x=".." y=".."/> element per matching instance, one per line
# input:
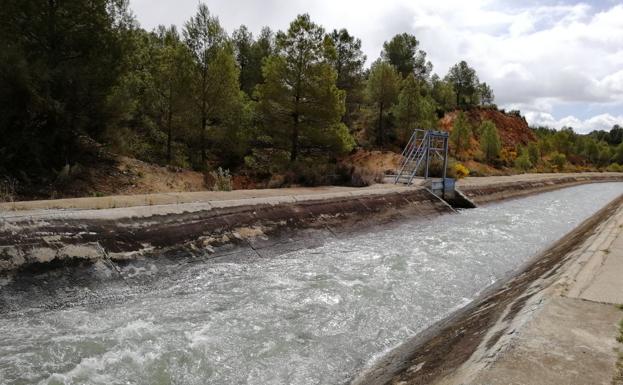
<point x="513" y="128"/>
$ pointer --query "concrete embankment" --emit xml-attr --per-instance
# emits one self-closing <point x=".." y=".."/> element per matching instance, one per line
<point x="211" y="224"/>
<point x="206" y="229"/>
<point x="491" y="189"/>
<point x="554" y="322"/>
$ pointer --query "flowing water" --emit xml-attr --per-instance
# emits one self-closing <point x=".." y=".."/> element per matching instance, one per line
<point x="312" y="316"/>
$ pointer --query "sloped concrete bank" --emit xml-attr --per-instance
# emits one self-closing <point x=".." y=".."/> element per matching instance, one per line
<point x="571" y="344"/>
<point x="46" y="234"/>
<point x="218" y="228"/>
<point x="492" y="189"/>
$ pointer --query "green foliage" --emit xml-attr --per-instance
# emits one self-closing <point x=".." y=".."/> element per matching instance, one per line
<point x="461" y="134"/>
<point x="299" y="101"/>
<point x="534" y="153"/>
<point x="558" y="159"/>
<point x="403" y="52"/>
<point x="490" y="140"/>
<point x="56" y="74"/>
<point x="485" y="94"/>
<point x="216" y="73"/>
<point x="250" y="53"/>
<point x="413" y="110"/>
<point x="465" y="83"/>
<point x="522" y="162"/>
<point x="347" y="59"/>
<point x="443" y="94"/>
<point x="618" y="154"/>
<point x="382" y="91"/>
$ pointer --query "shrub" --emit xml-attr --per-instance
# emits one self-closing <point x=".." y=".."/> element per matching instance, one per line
<point x="534" y="153"/>
<point x="523" y="162"/>
<point x="489" y="140"/>
<point x="558" y="160"/>
<point x="615" y="167"/>
<point x="222" y="180"/>
<point x="8" y="189"/>
<point x="460" y="171"/>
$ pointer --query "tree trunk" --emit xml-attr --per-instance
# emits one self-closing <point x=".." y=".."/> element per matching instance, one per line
<point x="169" y="126"/>
<point x="381" y="134"/>
<point x="204" y="121"/>
<point x="294" y="148"/>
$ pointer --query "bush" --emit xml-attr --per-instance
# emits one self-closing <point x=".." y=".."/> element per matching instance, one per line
<point x="460" y="171"/>
<point x="615" y="167"/>
<point x="8" y="189"/>
<point x="558" y="160"/>
<point x="222" y="180"/>
<point x="523" y="162"/>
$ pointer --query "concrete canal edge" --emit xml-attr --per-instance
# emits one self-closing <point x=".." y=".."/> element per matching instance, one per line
<point x="210" y="225"/>
<point x="553" y="321"/>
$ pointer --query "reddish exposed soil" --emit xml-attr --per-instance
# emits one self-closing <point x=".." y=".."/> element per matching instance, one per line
<point x="513" y="129"/>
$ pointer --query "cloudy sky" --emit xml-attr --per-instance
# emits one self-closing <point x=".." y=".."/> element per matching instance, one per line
<point x="559" y="62"/>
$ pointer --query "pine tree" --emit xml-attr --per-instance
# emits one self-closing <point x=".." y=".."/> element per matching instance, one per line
<point x="460" y="135"/>
<point x="414" y="110"/>
<point x="172" y="76"/>
<point x="205" y="37"/>
<point x="489" y="140"/>
<point x="403" y="52"/>
<point x="299" y="101"/>
<point x="382" y="90"/>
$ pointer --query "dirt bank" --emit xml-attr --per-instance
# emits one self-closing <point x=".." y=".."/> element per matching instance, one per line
<point x="463" y="348"/>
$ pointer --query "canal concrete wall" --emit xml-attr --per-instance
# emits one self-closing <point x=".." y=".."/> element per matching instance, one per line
<point x="209" y="229"/>
<point x="552" y="322"/>
<point x="213" y="224"/>
<point x="491" y="189"/>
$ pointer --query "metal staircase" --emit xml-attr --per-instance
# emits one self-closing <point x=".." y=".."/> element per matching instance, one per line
<point x="417" y="154"/>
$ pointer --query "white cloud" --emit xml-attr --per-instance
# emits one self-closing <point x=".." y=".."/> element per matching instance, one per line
<point x="538" y="57"/>
<point x="598" y="122"/>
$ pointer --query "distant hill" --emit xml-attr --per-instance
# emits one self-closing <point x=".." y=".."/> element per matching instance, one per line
<point x="512" y="127"/>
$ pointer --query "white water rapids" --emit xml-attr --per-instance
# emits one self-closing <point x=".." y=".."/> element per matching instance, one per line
<point x="313" y="316"/>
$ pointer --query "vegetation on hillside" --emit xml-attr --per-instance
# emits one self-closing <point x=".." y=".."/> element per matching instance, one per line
<point x="288" y="103"/>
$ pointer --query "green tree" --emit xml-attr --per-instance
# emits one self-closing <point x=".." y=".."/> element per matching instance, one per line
<point x="485" y="94"/>
<point x="460" y="135"/>
<point x="382" y="90"/>
<point x="403" y="52"/>
<point x="534" y="152"/>
<point x="243" y="45"/>
<point x="347" y="60"/>
<point x="558" y="160"/>
<point x="591" y="151"/>
<point x="413" y="109"/>
<point x="59" y="61"/>
<point x="617" y="156"/>
<point x="522" y="162"/>
<point x="172" y="76"/>
<point x="465" y="83"/>
<point x="443" y="94"/>
<point x="250" y="54"/>
<point x="299" y="101"/>
<point x="490" y="140"/>
<point x="215" y="90"/>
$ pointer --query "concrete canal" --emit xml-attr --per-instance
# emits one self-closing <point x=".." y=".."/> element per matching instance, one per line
<point x="310" y="316"/>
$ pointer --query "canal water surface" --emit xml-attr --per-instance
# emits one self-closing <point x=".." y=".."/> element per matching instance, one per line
<point x="313" y="316"/>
